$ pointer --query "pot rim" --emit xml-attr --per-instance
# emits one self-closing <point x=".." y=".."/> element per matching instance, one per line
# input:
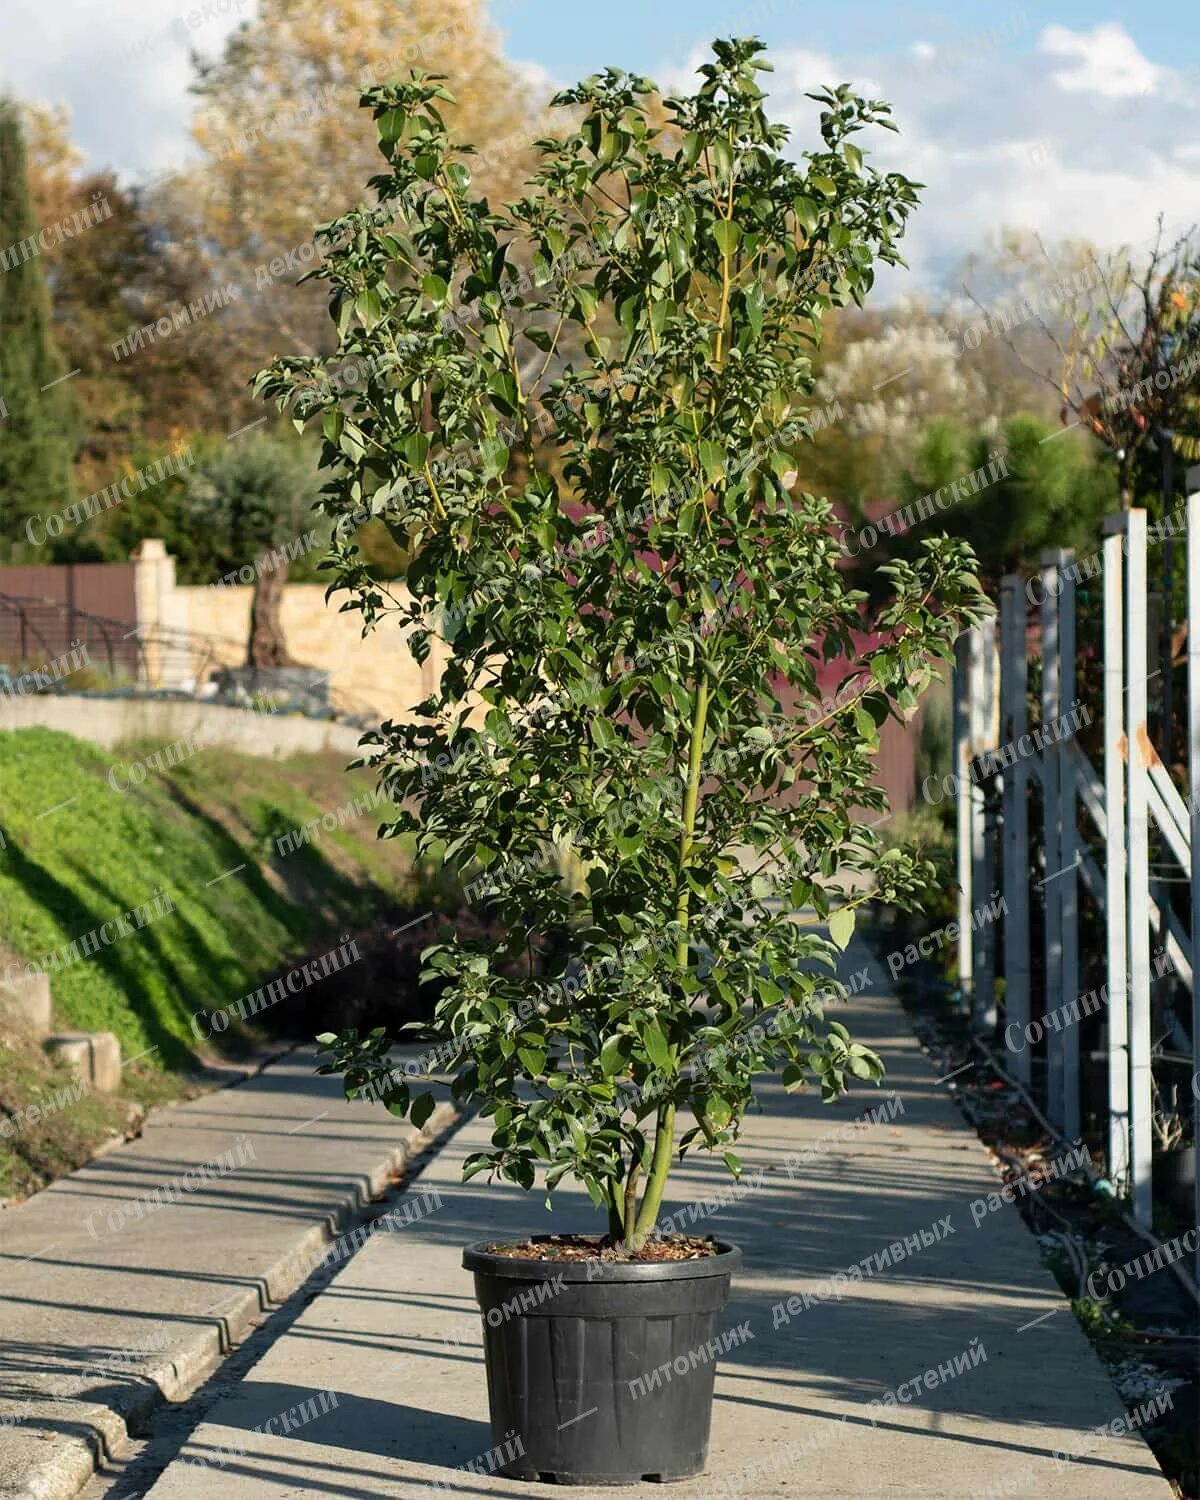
<point x="479" y="1258"/>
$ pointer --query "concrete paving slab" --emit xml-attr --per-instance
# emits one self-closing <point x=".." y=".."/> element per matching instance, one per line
<point x="829" y="1400"/>
<point x="126" y="1282"/>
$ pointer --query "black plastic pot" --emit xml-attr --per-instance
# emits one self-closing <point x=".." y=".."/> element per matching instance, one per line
<point x="601" y="1372"/>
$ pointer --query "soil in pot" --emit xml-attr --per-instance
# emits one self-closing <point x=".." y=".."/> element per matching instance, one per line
<point x="601" y="1247"/>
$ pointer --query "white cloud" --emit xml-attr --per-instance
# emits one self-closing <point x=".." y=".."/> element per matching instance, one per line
<point x="123" y="68"/>
<point x="923" y="51"/>
<point x="1106" y="61"/>
<point x="542" y="83"/>
<point x="1000" y="142"/>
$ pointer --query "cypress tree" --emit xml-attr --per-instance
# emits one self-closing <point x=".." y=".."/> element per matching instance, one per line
<point x="39" y="421"/>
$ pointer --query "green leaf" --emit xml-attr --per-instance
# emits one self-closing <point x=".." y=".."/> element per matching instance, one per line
<point x="533" y="1060"/>
<point x="493" y="457"/>
<point x="806" y="212"/>
<point x="458" y="176"/>
<point x="391" y="125"/>
<point x="865" y="724"/>
<point x="841" y="926"/>
<point x="733" y="1162"/>
<point x="660" y="480"/>
<point x="727" y="235"/>
<point x="422" y="1107"/>
<point x="503" y="387"/>
<point x="612" y="1055"/>
<point x="435" y="288"/>
<point x="657" y="1048"/>
<point x="712" y="460"/>
<point x="369" y="307"/>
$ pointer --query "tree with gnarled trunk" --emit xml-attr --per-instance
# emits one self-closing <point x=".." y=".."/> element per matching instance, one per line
<point x="255" y="497"/>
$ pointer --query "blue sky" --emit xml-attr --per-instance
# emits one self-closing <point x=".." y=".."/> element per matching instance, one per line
<point x="642" y="34"/>
<point x="1069" y="119"/>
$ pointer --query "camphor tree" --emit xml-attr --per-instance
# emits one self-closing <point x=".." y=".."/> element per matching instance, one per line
<point x="621" y="633"/>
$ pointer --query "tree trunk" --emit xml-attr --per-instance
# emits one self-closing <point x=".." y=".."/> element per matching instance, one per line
<point x="267" y="647"/>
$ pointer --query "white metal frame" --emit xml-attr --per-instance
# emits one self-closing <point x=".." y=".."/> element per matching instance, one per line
<point x="1137" y="844"/>
<point x="1136" y="790"/>
<point x="1193" y="682"/>
<point x="1116" y="871"/>
<point x="1014" y="862"/>
<point x="1051" y="709"/>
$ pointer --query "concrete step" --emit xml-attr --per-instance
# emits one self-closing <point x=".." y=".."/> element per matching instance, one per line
<point x="94" y="1055"/>
<point x="125" y="1283"/>
<point x="28" y="1000"/>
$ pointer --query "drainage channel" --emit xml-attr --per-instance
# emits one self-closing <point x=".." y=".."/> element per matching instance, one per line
<point x="133" y="1472"/>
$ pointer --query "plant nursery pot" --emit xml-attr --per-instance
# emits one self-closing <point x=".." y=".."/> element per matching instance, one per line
<point x="1175" y="1179"/>
<point x="601" y="1372"/>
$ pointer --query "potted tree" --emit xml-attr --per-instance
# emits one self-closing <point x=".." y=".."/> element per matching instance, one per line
<point x="579" y="410"/>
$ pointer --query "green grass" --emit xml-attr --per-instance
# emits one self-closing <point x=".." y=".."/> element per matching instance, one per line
<point x="76" y="854"/>
<point x="51" y="1125"/>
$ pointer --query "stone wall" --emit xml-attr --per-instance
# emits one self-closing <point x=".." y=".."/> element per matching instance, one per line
<point x="373" y="673"/>
<point x="165" y="721"/>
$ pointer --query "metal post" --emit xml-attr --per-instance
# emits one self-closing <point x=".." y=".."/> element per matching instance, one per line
<point x="1139" y="754"/>
<point x="1167" y="450"/>
<point x="1051" y="708"/>
<point x="1114" y="853"/>
<point x="962" y="813"/>
<point x="983" y="737"/>
<point x="1193" y="681"/>
<point x="1068" y="881"/>
<point x="1015" y="863"/>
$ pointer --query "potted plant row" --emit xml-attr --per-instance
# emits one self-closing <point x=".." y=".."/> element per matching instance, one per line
<point x="580" y="415"/>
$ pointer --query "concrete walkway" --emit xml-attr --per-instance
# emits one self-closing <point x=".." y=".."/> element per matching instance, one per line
<point x="825" y="1400"/>
<point x="126" y="1282"/>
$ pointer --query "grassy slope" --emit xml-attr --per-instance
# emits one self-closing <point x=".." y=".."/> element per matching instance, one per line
<point x="101" y="853"/>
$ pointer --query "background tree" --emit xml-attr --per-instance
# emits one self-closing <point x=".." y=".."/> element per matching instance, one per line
<point x="39" y="422"/>
<point x="251" y="498"/>
<point x="277" y="130"/>
<point x="1054" y="493"/>
<point x="122" y="272"/>
<point x="1121" y="346"/>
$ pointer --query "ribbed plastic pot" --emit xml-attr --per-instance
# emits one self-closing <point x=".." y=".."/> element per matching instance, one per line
<point x="601" y="1372"/>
